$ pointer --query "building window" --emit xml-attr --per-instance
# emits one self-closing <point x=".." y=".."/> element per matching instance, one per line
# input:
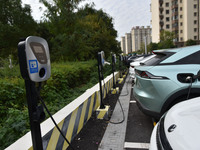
<point x="167" y="18"/>
<point x="181" y="31"/>
<point x="195" y="37"/>
<point x="195" y="21"/>
<point x="167" y="11"/>
<point x="180" y="1"/>
<point x="195" y="6"/>
<point x="181" y="24"/>
<point x="195" y="14"/>
<point x="167" y="26"/>
<point x="181" y="16"/>
<point x="181" y="8"/>
<point x="167" y="4"/>
<point x="195" y="29"/>
<point x="181" y="39"/>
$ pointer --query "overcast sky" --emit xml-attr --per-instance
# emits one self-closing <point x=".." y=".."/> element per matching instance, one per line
<point x="126" y="13"/>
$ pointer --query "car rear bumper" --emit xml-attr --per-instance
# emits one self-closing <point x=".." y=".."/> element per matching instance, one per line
<point x="151" y="94"/>
<point x="146" y="110"/>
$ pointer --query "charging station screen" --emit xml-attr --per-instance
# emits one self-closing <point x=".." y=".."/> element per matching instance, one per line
<point x="38" y="50"/>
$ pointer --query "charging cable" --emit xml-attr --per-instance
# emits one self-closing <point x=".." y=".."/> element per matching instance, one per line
<point x="44" y="105"/>
<point x="122" y="114"/>
<point x="189" y="78"/>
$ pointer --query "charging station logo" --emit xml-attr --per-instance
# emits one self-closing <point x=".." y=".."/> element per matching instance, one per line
<point x="33" y="65"/>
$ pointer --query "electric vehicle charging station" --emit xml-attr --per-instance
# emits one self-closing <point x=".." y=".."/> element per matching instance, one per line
<point x="114" y="60"/>
<point x="113" y="68"/>
<point x="120" y="65"/>
<point x="121" y="61"/>
<point x="34" y="60"/>
<point x="103" y="110"/>
<point x="101" y="63"/>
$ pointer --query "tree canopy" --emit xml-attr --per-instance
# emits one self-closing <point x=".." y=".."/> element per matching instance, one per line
<point x="72" y="33"/>
<point x="15" y="22"/>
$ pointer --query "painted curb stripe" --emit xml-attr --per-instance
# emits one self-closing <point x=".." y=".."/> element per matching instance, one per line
<point x="64" y="130"/>
<point x="76" y="125"/>
<point x="95" y="101"/>
<point x="54" y="137"/>
<point x="70" y="129"/>
<point x="87" y="110"/>
<point x="81" y="122"/>
<point x="73" y="123"/>
<point x="91" y="106"/>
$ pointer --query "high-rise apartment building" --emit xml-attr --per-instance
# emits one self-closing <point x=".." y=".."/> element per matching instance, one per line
<point x="123" y="47"/>
<point x="128" y="43"/>
<point x="178" y="16"/>
<point x="140" y="35"/>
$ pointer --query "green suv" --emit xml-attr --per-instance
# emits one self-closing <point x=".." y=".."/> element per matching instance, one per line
<point x="166" y="79"/>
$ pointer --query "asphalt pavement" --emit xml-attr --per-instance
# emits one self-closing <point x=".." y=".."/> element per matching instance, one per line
<point x="134" y="132"/>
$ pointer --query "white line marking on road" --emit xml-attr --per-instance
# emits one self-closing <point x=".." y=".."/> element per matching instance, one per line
<point x="136" y="145"/>
<point x="132" y="101"/>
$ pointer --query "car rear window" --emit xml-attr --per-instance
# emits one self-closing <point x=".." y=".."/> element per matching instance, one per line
<point x="157" y="59"/>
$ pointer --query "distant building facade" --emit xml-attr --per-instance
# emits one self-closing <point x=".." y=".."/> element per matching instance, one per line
<point x="140" y="35"/>
<point x="133" y="41"/>
<point x="178" y="16"/>
<point x="123" y="47"/>
<point x="128" y="43"/>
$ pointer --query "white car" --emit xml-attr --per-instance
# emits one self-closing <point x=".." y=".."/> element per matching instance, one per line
<point x="179" y="128"/>
<point x="136" y="63"/>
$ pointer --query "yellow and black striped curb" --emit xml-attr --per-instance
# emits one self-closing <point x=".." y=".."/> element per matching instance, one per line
<point x="72" y="124"/>
<point x="70" y="119"/>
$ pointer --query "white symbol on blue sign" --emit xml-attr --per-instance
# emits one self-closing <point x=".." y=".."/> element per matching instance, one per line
<point x="33" y="65"/>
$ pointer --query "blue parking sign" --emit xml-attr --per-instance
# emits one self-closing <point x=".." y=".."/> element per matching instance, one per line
<point x="33" y="66"/>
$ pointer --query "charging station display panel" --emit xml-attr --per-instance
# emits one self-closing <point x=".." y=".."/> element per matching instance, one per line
<point x="34" y="59"/>
<point x="39" y="51"/>
<point x="102" y="58"/>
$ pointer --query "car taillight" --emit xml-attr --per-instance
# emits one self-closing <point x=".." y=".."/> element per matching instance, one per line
<point x="146" y="74"/>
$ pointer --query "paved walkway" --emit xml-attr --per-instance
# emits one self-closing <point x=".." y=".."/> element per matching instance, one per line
<point x="114" y="136"/>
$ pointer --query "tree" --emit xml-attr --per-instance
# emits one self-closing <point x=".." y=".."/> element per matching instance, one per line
<point x="166" y="40"/>
<point x="80" y="34"/>
<point x="152" y="46"/>
<point x="190" y="42"/>
<point x="15" y="22"/>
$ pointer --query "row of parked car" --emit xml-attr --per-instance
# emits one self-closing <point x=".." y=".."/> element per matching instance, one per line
<point x="167" y="87"/>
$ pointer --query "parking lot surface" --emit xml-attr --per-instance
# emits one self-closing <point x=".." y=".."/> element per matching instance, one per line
<point x="139" y="128"/>
<point x="134" y="132"/>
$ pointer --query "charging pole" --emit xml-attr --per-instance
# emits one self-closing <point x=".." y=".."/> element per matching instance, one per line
<point x="34" y="61"/>
<point x="100" y="67"/>
<point x="32" y="109"/>
<point x="120" y="66"/>
<point x="113" y="69"/>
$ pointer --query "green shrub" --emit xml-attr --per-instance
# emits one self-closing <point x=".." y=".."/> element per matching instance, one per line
<point x="68" y="80"/>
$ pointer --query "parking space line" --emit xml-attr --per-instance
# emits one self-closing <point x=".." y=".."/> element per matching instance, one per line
<point x="132" y="101"/>
<point x="136" y="145"/>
